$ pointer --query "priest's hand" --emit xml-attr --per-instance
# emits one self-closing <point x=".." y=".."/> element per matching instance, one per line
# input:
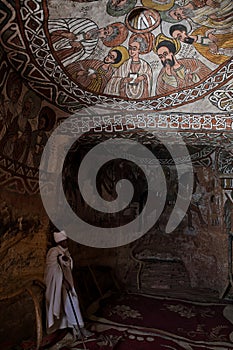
<point x="65" y="258"/>
<point x="67" y="285"/>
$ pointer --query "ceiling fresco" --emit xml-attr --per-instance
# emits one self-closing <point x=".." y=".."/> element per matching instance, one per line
<point x="158" y="54"/>
<point x="163" y="65"/>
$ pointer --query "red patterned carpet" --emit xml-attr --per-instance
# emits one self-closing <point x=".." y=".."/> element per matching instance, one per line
<point x="192" y="321"/>
<point x="142" y="322"/>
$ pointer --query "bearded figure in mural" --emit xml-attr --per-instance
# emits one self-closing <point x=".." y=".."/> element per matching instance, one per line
<point x="218" y="14"/>
<point x="176" y="73"/>
<point x="13" y="90"/>
<point x="133" y="79"/>
<point x="212" y="44"/>
<point x="17" y="139"/>
<point x="76" y="38"/>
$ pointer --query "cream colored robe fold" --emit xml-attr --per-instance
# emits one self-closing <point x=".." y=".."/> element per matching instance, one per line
<point x="58" y="307"/>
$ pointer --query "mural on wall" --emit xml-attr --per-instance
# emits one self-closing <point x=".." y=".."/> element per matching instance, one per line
<point x="169" y="61"/>
<point x="15" y="224"/>
<point x="160" y="54"/>
<point x="205" y="207"/>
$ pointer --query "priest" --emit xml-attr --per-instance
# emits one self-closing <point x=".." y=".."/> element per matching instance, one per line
<point x="62" y="304"/>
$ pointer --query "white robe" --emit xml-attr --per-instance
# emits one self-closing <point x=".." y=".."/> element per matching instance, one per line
<point x="131" y="90"/>
<point x="79" y="27"/>
<point x="58" y="306"/>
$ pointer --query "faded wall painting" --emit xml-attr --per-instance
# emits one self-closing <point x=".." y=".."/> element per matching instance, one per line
<point x="167" y="63"/>
<point x="172" y="58"/>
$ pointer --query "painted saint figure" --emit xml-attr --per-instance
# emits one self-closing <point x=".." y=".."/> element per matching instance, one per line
<point x="133" y="79"/>
<point x="214" y="45"/>
<point x="76" y="38"/>
<point x="218" y="15"/>
<point x="118" y="8"/>
<point x="39" y="137"/>
<point x="95" y="74"/>
<point x="9" y="107"/>
<point x="17" y="139"/>
<point x="176" y="73"/>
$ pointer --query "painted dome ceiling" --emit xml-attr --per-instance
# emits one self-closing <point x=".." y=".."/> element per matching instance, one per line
<point x="147" y="54"/>
<point x="125" y="67"/>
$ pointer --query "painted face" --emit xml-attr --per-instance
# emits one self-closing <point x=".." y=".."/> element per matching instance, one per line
<point x="180" y="35"/>
<point x="166" y="57"/>
<point x="15" y="92"/>
<point x="110" y="58"/>
<point x="119" y="3"/>
<point x="105" y="32"/>
<point x="177" y="14"/>
<point x="42" y="123"/>
<point x="27" y="108"/>
<point x="134" y="49"/>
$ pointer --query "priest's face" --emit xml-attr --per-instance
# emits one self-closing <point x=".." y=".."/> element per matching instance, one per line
<point x="64" y="243"/>
<point x="178" y="14"/>
<point x="105" y="32"/>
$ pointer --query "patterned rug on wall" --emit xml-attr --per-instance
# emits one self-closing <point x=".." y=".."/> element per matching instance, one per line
<point x="142" y="322"/>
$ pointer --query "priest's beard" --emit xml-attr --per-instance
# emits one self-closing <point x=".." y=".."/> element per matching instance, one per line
<point x="188" y="13"/>
<point x="170" y="62"/>
<point x="188" y="40"/>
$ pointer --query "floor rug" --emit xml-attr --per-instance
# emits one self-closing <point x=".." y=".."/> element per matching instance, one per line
<point x="202" y="324"/>
<point x="143" y="322"/>
<point x="113" y="339"/>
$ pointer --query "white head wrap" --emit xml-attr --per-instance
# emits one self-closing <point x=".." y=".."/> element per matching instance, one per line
<point x="59" y="236"/>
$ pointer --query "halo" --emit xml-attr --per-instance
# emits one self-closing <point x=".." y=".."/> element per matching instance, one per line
<point x="166" y="17"/>
<point x="117" y="12"/>
<point x="125" y="55"/>
<point x="165" y="27"/>
<point x="156" y="5"/>
<point x="132" y="19"/>
<point x="161" y="38"/>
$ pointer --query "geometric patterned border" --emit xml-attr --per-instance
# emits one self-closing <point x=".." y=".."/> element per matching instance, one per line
<point x="20" y="178"/>
<point x="114" y="122"/>
<point x="17" y="177"/>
